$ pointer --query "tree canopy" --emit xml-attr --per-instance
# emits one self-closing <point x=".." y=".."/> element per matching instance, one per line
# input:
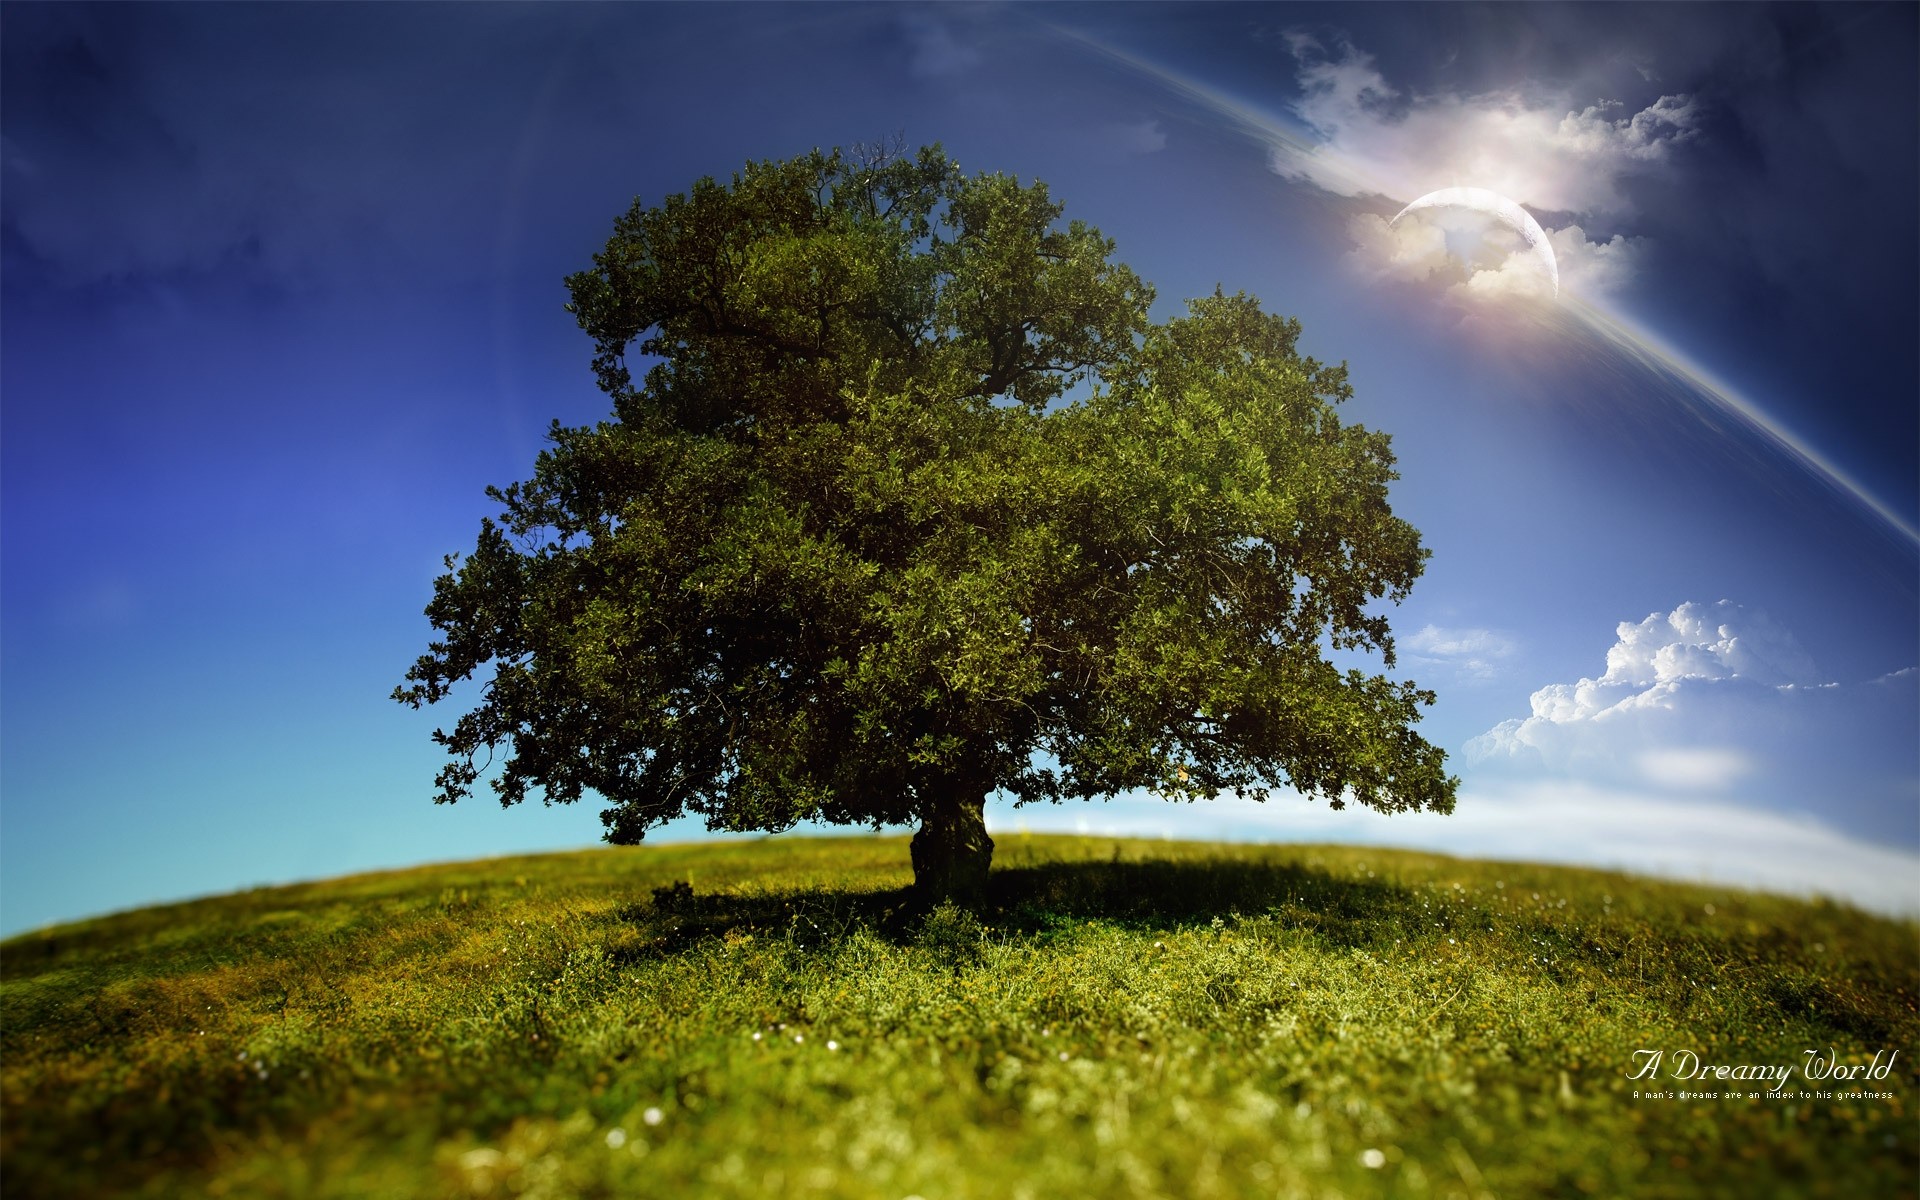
<point x="913" y="502"/>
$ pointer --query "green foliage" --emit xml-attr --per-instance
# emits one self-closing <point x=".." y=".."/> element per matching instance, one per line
<point x="914" y="502"/>
<point x="1123" y="1019"/>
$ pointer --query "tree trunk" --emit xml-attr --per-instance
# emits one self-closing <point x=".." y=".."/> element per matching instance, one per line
<point x="952" y="851"/>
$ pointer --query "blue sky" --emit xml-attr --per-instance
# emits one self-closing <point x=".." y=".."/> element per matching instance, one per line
<point x="281" y="288"/>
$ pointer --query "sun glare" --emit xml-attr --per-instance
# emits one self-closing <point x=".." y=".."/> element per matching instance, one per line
<point x="1464" y="215"/>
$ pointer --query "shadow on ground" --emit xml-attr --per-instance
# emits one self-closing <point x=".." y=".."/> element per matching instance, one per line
<point x="1042" y="900"/>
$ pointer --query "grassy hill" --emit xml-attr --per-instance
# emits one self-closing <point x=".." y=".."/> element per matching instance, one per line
<point x="1125" y="1019"/>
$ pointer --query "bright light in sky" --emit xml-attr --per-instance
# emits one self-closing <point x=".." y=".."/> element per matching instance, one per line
<point x="1513" y="153"/>
<point x="281" y="287"/>
<point x="1359" y="138"/>
<point x="1503" y="211"/>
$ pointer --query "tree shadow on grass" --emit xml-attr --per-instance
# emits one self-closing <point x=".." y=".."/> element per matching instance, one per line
<point x="1043" y="900"/>
<point x="1160" y="894"/>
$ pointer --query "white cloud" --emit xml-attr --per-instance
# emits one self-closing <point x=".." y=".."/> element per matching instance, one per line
<point x="1593" y="267"/>
<point x="1534" y="147"/>
<point x="1720" y="699"/>
<point x="1707" y="750"/>
<point x="1694" y="768"/>
<point x="1410" y="249"/>
<point x="1476" y="655"/>
<point x="1531" y="145"/>
<point x="1662" y="665"/>
<point x="1699" y="641"/>
<point x="1417" y="248"/>
<point x="1617" y="828"/>
<point x="1647" y="136"/>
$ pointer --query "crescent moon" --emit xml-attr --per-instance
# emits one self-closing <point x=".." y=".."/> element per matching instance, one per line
<point x="1500" y="209"/>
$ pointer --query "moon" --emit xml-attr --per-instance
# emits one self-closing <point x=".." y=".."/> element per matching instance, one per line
<point x="1500" y="209"/>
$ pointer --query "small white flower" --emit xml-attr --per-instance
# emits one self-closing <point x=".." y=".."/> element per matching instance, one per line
<point x="1063" y="1056"/>
<point x="1372" y="1159"/>
<point x="653" y="1116"/>
<point x="756" y="1035"/>
<point x="799" y="1037"/>
<point x="616" y="1138"/>
<point x="833" y="1045"/>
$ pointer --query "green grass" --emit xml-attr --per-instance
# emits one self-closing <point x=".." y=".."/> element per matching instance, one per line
<point x="1123" y="1019"/>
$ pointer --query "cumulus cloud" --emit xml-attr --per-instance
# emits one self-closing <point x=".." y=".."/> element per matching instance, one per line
<point x="1533" y="147"/>
<point x="1410" y="249"/>
<point x="1707" y="750"/>
<point x="1646" y="136"/>
<point x="1593" y="266"/>
<point x="1475" y="655"/>
<point x="1719" y="700"/>
<point x="1419" y="248"/>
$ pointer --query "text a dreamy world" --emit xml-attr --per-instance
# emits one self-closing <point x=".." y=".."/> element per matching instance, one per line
<point x="1686" y="1065"/>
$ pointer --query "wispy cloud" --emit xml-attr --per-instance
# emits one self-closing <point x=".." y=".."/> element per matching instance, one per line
<point x="1476" y="655"/>
<point x="1134" y="137"/>
<point x="933" y="48"/>
<point x="1576" y="823"/>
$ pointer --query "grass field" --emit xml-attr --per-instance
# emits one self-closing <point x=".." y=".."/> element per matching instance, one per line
<point x="1123" y="1019"/>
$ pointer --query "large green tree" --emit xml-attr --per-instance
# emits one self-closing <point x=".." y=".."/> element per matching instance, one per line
<point x="913" y="502"/>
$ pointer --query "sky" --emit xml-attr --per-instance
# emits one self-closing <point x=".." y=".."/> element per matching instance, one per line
<point x="281" y="294"/>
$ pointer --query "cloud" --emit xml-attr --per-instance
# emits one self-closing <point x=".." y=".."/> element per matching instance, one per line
<point x="1135" y="137"/>
<point x="1695" y="769"/>
<point x="1717" y="699"/>
<point x="1698" y="840"/>
<point x="933" y="50"/>
<point x="1529" y="145"/>
<point x="1409" y="250"/>
<point x="1418" y="248"/>
<point x="1590" y="266"/>
<point x="1474" y="655"/>
<point x="1586" y="267"/>
<point x="1532" y="147"/>
<point x="1646" y="136"/>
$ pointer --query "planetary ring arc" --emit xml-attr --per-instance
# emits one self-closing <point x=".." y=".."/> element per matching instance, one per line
<point x="1287" y="143"/>
<point x="1500" y="209"/>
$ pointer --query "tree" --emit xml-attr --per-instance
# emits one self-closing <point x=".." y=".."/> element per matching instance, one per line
<point x="912" y="503"/>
